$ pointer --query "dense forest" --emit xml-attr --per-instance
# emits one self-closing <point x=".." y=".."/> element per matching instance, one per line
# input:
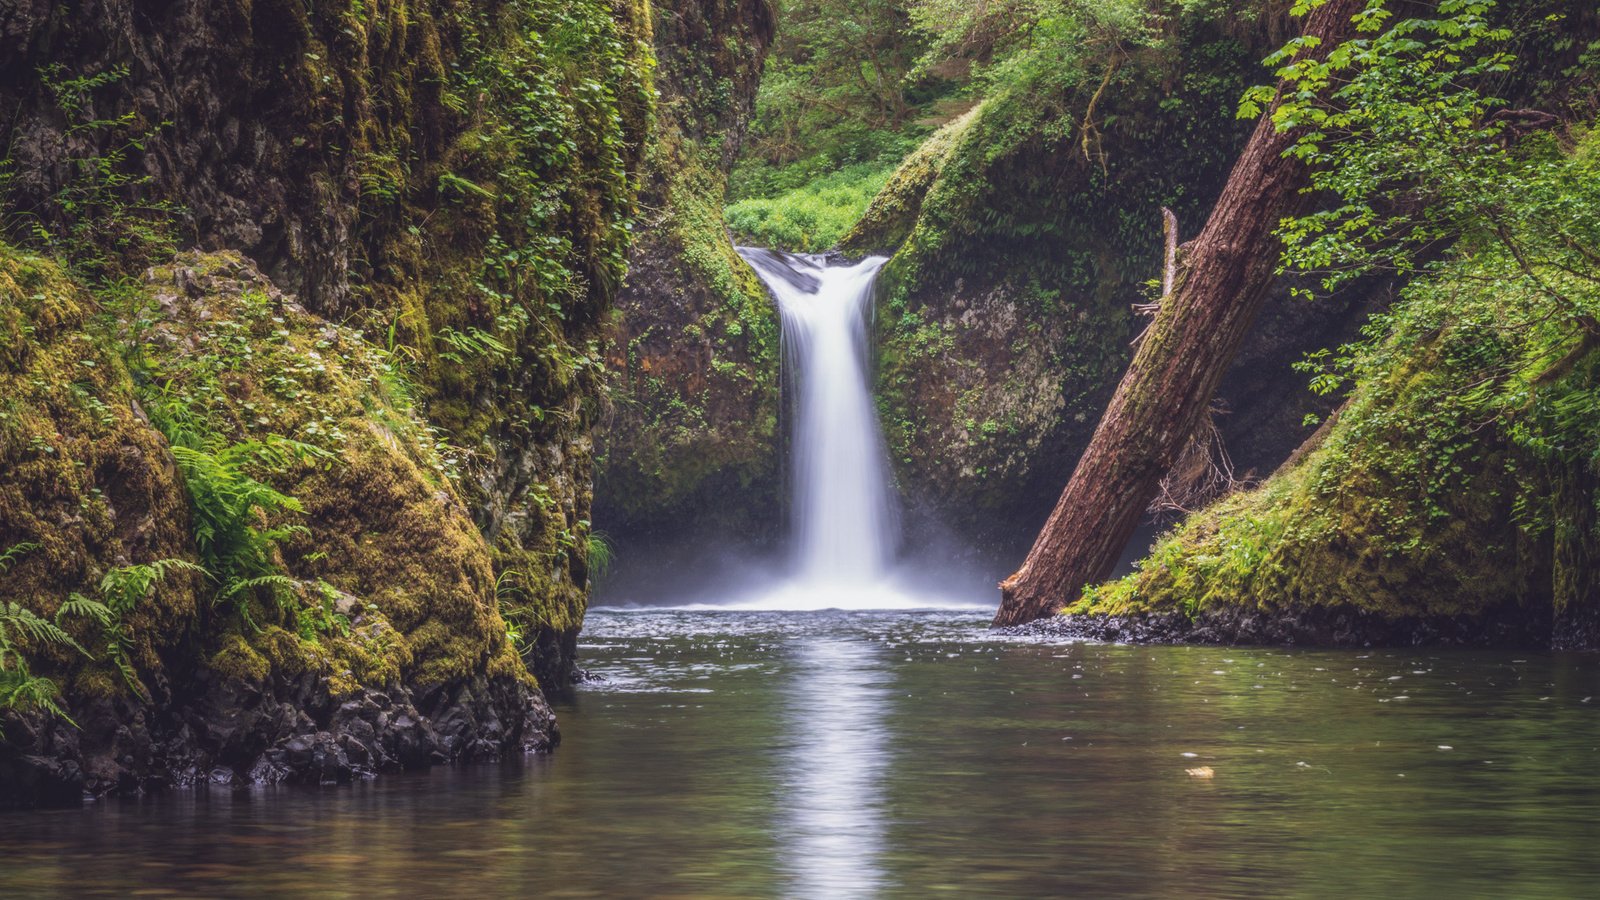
<point x="347" y="347"/>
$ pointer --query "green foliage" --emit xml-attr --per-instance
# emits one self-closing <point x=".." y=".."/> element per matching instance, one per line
<point x="229" y="507"/>
<point x="321" y="617"/>
<point x="839" y="107"/>
<point x="15" y="552"/>
<point x="20" y="629"/>
<point x="101" y="219"/>
<point x="238" y="518"/>
<point x="1012" y="39"/>
<point x="473" y="342"/>
<point x="550" y="174"/>
<point x="521" y="608"/>
<point x="1381" y="115"/>
<point x="121" y="591"/>
<point x="1398" y="128"/>
<point x="20" y="689"/>
<point x="601" y="554"/>
<point x="1459" y="477"/>
<point x="1449" y="481"/>
<point x="834" y="93"/>
<point x="813" y="217"/>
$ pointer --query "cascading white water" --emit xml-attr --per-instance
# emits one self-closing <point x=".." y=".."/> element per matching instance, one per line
<point x="843" y="512"/>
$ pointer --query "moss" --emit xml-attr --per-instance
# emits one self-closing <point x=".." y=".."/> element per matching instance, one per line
<point x="386" y="523"/>
<point x="1003" y="315"/>
<point x="81" y="474"/>
<point x="888" y="219"/>
<point x="371" y="653"/>
<point x="97" y="682"/>
<point x="693" y="350"/>
<point x="384" y="519"/>
<point x="429" y="172"/>
<point x="289" y="654"/>
<point x="237" y="661"/>
<point x="1455" y="484"/>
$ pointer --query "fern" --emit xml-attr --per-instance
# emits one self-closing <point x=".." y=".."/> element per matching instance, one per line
<point x="278" y="584"/>
<point x="230" y="507"/>
<point x="121" y="590"/>
<point x="13" y="553"/>
<point x="20" y="689"/>
<point x="322" y="617"/>
<point x="83" y="607"/>
<point x="237" y="517"/>
<point x="469" y="344"/>
<point x="25" y="692"/>
<point x="17" y="619"/>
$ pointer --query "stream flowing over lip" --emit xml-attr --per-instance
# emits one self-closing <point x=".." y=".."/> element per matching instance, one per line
<point x="843" y="512"/>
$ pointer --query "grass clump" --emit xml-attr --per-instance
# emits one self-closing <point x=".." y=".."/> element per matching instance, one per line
<point x="813" y="217"/>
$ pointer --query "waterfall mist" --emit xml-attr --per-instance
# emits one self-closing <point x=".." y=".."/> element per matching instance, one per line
<point x="844" y="542"/>
<point x="843" y="511"/>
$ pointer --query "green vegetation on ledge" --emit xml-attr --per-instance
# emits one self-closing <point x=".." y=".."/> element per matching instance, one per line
<point x="1023" y="231"/>
<point x="1459" y="484"/>
<point x="812" y="217"/>
<point x="694" y="347"/>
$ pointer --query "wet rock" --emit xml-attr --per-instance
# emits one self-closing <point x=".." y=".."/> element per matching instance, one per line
<point x="282" y="731"/>
<point x="1348" y="626"/>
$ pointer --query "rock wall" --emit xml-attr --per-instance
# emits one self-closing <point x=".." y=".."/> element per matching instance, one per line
<point x="412" y="216"/>
<point x="1022" y="235"/>
<point x="691" y="445"/>
<point x="382" y="647"/>
<point x="1425" y="513"/>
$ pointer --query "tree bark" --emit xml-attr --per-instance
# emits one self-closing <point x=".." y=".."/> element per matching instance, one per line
<point x="1167" y="389"/>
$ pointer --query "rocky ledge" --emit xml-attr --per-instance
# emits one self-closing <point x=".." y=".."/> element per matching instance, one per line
<point x="278" y="730"/>
<point x="1323" y="626"/>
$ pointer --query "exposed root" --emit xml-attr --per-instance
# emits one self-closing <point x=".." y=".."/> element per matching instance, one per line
<point x="1093" y="148"/>
<point x="1203" y="472"/>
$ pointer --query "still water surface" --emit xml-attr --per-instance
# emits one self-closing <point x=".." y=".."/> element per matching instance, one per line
<point x="911" y="754"/>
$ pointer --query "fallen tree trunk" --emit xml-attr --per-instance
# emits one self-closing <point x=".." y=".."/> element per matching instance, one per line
<point x="1167" y="389"/>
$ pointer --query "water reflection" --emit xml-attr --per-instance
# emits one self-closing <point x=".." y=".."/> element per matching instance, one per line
<point x="755" y="755"/>
<point x="832" y="832"/>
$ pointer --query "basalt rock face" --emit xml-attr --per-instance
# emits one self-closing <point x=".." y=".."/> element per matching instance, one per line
<point x="455" y="178"/>
<point x="379" y="647"/>
<point x="225" y="730"/>
<point x="400" y="224"/>
<point x="1508" y="627"/>
<point x="691" y="445"/>
<point x="1024" y="232"/>
<point x="1453" y="498"/>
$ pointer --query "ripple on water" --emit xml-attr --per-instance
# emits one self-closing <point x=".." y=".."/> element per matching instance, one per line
<point x="850" y="753"/>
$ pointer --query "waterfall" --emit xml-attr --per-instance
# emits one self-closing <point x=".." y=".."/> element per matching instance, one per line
<point x="842" y="510"/>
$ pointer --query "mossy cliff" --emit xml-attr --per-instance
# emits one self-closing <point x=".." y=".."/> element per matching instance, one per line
<point x="376" y="644"/>
<point x="1454" y="497"/>
<point x="1022" y="234"/>
<point x="417" y="214"/>
<point x="691" y="443"/>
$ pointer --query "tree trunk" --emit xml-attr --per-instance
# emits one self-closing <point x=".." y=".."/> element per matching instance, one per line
<point x="1168" y="387"/>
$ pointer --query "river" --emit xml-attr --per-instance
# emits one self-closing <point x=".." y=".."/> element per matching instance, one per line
<point x="912" y="754"/>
